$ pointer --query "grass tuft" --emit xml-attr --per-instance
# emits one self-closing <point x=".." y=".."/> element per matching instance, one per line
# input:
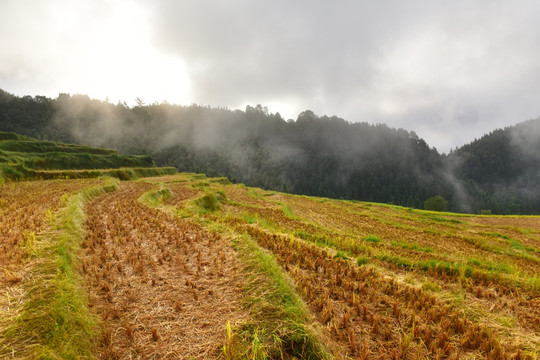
<point x="156" y="198"/>
<point x="362" y="260"/>
<point x="372" y="238"/>
<point x="288" y="211"/>
<point x="411" y="246"/>
<point x="210" y="201"/>
<point x="341" y="255"/>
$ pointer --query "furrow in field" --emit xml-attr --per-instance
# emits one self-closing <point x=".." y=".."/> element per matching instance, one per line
<point x="163" y="288"/>
<point x="376" y="315"/>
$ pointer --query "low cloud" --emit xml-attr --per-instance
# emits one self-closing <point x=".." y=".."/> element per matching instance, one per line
<point x="451" y="71"/>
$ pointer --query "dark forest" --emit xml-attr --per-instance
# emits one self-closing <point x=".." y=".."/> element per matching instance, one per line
<point x="312" y="155"/>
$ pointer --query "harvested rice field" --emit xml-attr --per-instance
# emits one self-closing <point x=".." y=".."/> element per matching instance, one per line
<point x="190" y="267"/>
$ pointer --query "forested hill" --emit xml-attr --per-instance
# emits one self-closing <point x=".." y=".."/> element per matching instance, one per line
<point x="503" y="168"/>
<point x="314" y="155"/>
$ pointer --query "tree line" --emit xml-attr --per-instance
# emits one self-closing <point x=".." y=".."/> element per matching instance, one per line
<point x="312" y="155"/>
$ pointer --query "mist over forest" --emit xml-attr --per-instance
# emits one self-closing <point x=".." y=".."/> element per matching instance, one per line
<point x="311" y="155"/>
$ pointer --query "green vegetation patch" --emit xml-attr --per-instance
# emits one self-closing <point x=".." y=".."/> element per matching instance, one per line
<point x="430" y="286"/>
<point x="253" y="193"/>
<point x="411" y="246"/>
<point x="288" y="211"/>
<point x="35" y="146"/>
<point x="443" y="220"/>
<point x="13" y="136"/>
<point x="26" y="158"/>
<point x="65" y="160"/>
<point x="210" y="201"/>
<point x="156" y="198"/>
<point x="499" y="267"/>
<point x="514" y="243"/>
<point x="220" y="181"/>
<point x="281" y="316"/>
<point x="440" y="267"/>
<point x="396" y="260"/>
<point x="341" y="255"/>
<point x="123" y="174"/>
<point x="436" y="203"/>
<point x="320" y="240"/>
<point x="250" y="218"/>
<point x="362" y="260"/>
<point x="197" y="177"/>
<point x="372" y="238"/>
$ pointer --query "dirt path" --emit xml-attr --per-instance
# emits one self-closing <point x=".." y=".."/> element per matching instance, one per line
<point x="164" y="288"/>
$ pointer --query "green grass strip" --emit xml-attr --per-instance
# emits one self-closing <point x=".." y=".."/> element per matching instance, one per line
<point x="55" y="322"/>
<point x="280" y="316"/>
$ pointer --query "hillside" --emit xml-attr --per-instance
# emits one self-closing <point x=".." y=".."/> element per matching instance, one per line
<point x="24" y="157"/>
<point x="504" y="167"/>
<point x="191" y="267"/>
<point x="312" y="155"/>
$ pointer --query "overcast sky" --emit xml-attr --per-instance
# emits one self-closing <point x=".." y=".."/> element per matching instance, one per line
<point x="448" y="70"/>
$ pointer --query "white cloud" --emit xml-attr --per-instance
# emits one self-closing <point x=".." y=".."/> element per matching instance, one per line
<point x="101" y="48"/>
<point x="450" y="71"/>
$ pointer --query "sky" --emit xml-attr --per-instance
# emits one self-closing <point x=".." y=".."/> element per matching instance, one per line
<point x="449" y="70"/>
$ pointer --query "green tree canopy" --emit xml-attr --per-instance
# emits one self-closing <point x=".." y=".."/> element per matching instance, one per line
<point x="436" y="203"/>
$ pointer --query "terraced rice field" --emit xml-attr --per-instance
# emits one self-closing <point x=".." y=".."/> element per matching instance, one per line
<point x="164" y="288"/>
<point x="189" y="267"/>
<point x="392" y="282"/>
